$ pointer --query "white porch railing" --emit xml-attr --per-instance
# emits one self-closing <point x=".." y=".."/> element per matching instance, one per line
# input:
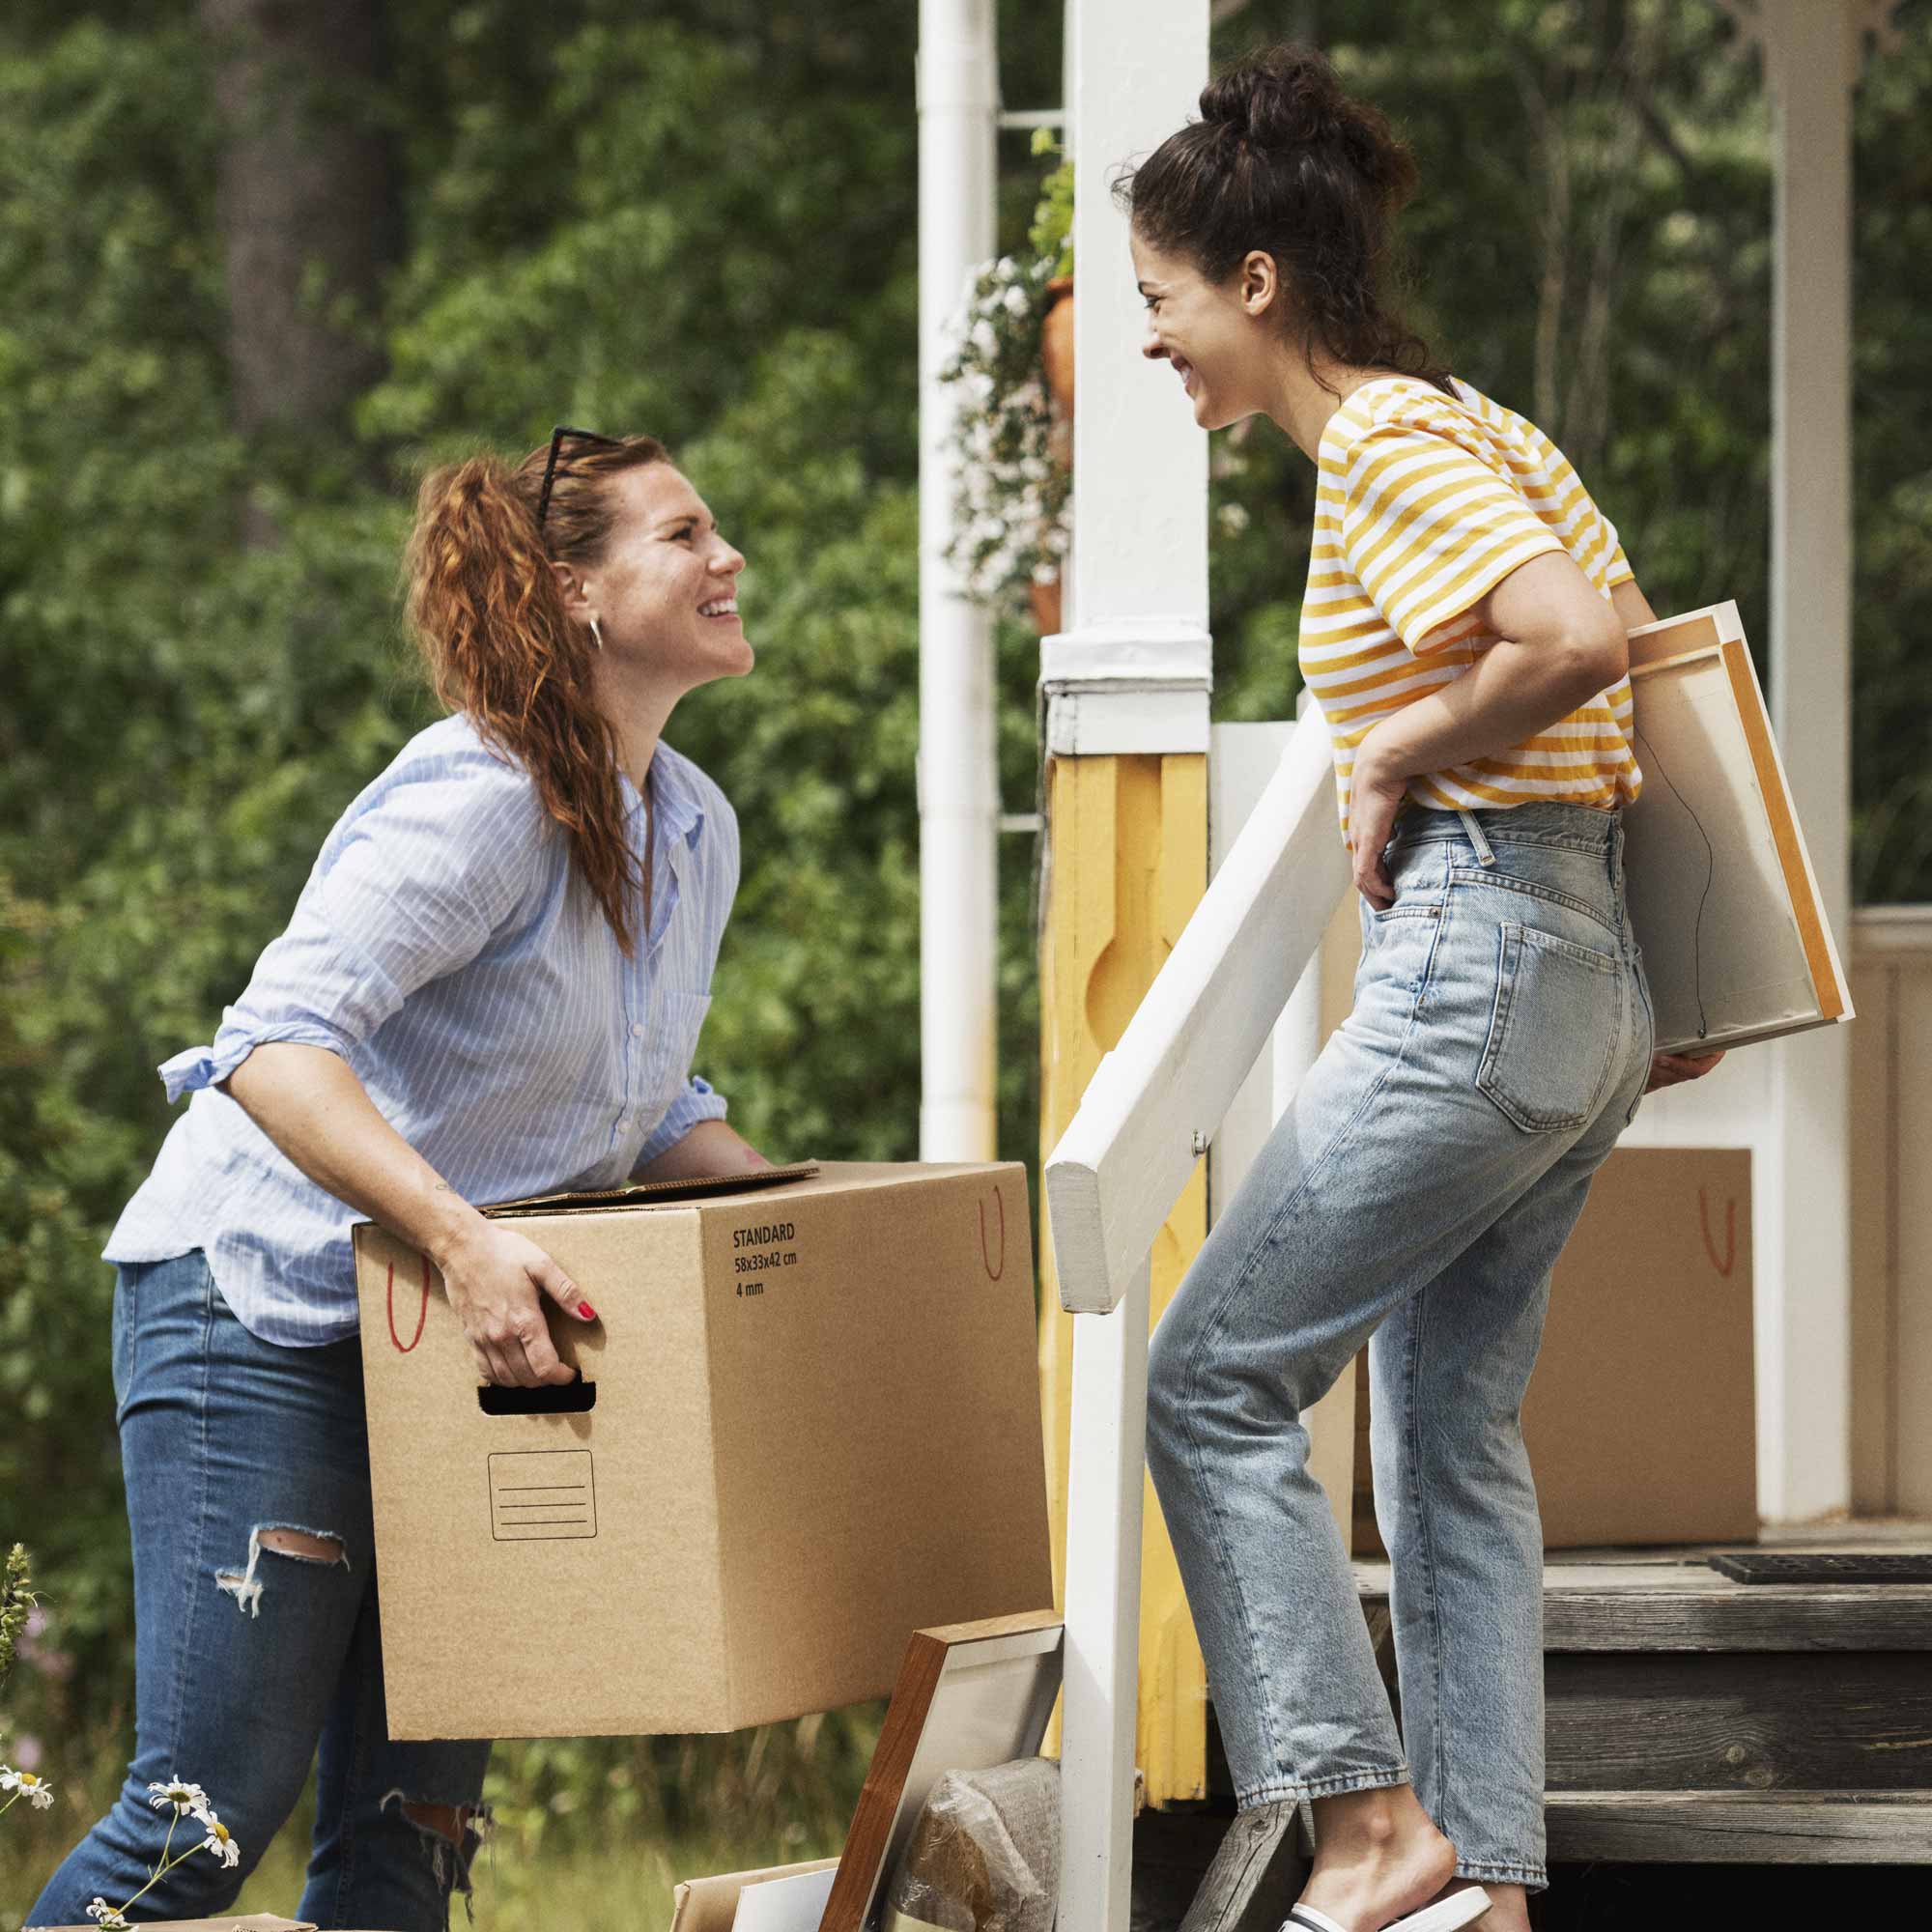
<point x="1146" y="1118"/>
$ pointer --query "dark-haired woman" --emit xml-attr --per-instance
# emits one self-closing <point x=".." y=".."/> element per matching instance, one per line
<point x="491" y="986"/>
<point x="1463" y="629"/>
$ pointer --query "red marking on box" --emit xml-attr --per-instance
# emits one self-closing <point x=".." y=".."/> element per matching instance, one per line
<point x="994" y="1273"/>
<point x="1730" y="1260"/>
<point x="422" y="1310"/>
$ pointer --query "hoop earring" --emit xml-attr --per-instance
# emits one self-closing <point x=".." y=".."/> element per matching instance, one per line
<point x="596" y="633"/>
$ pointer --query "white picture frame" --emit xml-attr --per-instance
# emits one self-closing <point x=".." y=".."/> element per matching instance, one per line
<point x="1722" y="898"/>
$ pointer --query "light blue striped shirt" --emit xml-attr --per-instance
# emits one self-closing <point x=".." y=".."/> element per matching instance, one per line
<point x="449" y="951"/>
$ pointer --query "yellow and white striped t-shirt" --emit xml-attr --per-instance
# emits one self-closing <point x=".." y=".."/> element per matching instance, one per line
<point x="1422" y="504"/>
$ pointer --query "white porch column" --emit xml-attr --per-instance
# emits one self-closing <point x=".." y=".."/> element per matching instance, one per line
<point x="1129" y="675"/>
<point x="1130" y="671"/>
<point x="958" y="794"/>
<point x="1813" y="51"/>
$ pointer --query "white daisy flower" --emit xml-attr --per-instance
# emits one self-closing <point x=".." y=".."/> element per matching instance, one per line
<point x="108" y="1914"/>
<point x="179" y="1792"/>
<point x="31" y="1786"/>
<point x="219" y="1839"/>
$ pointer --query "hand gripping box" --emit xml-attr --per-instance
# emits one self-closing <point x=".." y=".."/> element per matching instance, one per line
<point x="808" y="1423"/>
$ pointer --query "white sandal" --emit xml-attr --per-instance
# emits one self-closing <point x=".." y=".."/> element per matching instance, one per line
<point x="1459" y="1908"/>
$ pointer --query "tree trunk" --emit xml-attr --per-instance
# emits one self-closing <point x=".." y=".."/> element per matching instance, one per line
<point x="306" y="203"/>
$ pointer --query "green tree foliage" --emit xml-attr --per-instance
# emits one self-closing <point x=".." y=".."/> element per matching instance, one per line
<point x="702" y="223"/>
<point x="1591" y="245"/>
<point x="615" y="216"/>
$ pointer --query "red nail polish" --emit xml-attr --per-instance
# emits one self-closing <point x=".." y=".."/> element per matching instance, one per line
<point x="585" y="1308"/>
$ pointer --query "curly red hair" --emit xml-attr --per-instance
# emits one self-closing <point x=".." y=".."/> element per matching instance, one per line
<point x="485" y="609"/>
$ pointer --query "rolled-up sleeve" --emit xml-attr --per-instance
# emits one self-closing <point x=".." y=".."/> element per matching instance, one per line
<point x="410" y="885"/>
<point x="697" y="1101"/>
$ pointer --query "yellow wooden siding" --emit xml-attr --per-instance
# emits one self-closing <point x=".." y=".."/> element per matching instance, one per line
<point x="1891" y="1126"/>
<point x="1127" y="865"/>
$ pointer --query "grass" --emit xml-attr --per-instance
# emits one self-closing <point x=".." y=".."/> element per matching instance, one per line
<point x="613" y="1887"/>
<point x="592" y="1833"/>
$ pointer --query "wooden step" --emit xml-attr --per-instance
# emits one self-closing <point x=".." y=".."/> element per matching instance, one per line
<point x="1693" y="1719"/>
<point x="1680" y="1603"/>
<point x="1739" y="1720"/>
<point x="1892" y="1827"/>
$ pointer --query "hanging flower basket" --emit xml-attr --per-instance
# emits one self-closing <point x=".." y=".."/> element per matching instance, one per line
<point x="1010" y="492"/>
<point x="1011" y="362"/>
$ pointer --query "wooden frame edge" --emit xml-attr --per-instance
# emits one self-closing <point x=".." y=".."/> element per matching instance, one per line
<point x="1784" y="829"/>
<point x="881" y="1795"/>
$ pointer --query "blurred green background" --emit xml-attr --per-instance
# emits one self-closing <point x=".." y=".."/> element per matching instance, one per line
<point x="702" y="222"/>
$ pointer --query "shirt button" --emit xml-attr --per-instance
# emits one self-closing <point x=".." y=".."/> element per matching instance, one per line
<point x="636" y="1029"/>
<point x="623" y="1124"/>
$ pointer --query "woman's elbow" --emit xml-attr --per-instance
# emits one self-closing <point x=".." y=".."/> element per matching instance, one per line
<point x="1602" y="655"/>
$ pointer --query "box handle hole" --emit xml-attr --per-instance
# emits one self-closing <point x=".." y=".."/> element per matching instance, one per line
<point x="547" y="1398"/>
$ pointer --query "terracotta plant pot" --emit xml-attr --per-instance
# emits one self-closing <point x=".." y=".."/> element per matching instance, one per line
<point x="1045" y="601"/>
<point x="1056" y="356"/>
<point x="1056" y="344"/>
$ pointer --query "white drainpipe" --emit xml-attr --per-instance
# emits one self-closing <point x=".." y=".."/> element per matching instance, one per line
<point x="958" y="793"/>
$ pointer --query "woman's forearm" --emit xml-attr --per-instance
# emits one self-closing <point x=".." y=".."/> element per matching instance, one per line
<point x="1511" y="692"/>
<point x="309" y="1102"/>
<point x="709" y="1148"/>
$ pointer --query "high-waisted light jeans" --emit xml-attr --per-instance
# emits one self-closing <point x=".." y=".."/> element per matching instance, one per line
<point x="1414" y="1196"/>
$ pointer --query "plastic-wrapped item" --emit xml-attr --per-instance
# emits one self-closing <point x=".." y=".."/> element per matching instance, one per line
<point x="983" y="1854"/>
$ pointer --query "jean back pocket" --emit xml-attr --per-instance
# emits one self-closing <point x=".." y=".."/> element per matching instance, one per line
<point x="1553" y="1028"/>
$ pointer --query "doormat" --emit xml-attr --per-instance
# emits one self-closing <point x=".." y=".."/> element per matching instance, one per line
<point x="1812" y="1566"/>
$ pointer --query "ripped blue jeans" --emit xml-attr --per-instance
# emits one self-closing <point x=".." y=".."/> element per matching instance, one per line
<point x="249" y="1659"/>
<point x="1414" y="1196"/>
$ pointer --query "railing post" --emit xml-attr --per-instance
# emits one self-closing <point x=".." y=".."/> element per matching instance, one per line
<point x="1125" y="690"/>
<point x="1102" y="1650"/>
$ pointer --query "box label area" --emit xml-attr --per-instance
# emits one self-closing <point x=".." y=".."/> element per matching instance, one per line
<point x="539" y="1493"/>
<point x="762" y="1250"/>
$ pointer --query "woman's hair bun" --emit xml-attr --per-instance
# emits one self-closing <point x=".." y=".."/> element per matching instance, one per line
<point x="1278" y="97"/>
<point x="1287" y="96"/>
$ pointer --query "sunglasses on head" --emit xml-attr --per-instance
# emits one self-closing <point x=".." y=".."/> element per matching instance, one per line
<point x="557" y="436"/>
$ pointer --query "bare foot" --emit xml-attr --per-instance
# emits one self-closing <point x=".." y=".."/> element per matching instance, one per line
<point x="1377" y="1854"/>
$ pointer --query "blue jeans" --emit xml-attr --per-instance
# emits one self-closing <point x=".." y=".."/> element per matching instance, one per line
<point x="1414" y="1196"/>
<point x="247" y="1657"/>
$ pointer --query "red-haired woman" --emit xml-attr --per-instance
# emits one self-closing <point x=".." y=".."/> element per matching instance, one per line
<point x="491" y="986"/>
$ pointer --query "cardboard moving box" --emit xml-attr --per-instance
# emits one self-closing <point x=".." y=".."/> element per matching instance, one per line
<point x="1641" y="1417"/>
<point x="807" y="1424"/>
<point x="711" y="1904"/>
